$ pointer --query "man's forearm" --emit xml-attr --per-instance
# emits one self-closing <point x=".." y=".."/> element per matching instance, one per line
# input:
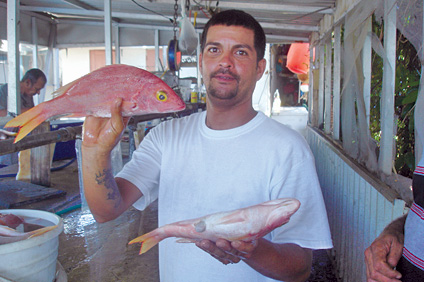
<point x="396" y="228"/>
<point x="287" y="262"/>
<point x="100" y="188"/>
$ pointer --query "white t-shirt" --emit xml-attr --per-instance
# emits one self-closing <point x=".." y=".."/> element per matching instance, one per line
<point x="195" y="171"/>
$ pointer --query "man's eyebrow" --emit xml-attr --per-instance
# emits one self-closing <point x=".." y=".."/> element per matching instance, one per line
<point x="237" y="46"/>
<point x="212" y="43"/>
<point x="243" y="46"/>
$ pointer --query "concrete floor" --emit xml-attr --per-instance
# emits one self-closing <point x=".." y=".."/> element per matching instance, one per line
<point x="89" y="251"/>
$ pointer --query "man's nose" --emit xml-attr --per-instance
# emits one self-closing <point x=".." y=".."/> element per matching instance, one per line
<point x="226" y="60"/>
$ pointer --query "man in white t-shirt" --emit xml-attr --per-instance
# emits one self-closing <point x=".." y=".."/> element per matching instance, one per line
<point x="226" y="158"/>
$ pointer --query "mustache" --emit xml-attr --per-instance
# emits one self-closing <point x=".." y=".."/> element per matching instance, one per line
<point x="225" y="71"/>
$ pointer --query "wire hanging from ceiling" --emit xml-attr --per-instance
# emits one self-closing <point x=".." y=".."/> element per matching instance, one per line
<point x="147" y="9"/>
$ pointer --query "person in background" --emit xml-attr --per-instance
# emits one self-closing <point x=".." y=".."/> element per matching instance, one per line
<point x="33" y="81"/>
<point x="225" y="158"/>
<point x="398" y="253"/>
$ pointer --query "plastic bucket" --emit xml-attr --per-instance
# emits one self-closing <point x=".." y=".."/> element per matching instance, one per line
<point x="33" y="259"/>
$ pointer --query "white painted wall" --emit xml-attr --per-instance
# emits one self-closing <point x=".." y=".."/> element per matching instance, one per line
<point x="134" y="56"/>
<point x="74" y="63"/>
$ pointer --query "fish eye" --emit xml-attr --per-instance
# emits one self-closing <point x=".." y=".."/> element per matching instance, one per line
<point x="161" y="96"/>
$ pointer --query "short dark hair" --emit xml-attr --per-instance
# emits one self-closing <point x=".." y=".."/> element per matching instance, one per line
<point x="33" y="75"/>
<point x="238" y="18"/>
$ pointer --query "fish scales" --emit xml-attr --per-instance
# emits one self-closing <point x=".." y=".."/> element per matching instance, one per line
<point x="246" y="224"/>
<point x="93" y="94"/>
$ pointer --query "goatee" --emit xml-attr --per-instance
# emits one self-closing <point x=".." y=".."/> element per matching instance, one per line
<point x="221" y="93"/>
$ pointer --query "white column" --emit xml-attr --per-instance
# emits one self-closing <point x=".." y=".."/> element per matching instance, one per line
<point x="336" y="82"/>
<point x="108" y="31"/>
<point x="321" y="85"/>
<point x="35" y="51"/>
<point x="157" y="63"/>
<point x="386" y="157"/>
<point x="13" y="98"/>
<point x="34" y="42"/>
<point x="419" y="115"/>
<point x="327" y="87"/>
<point x="117" y="46"/>
<point x="56" y="69"/>
<point x="366" y="64"/>
<point x="311" y="84"/>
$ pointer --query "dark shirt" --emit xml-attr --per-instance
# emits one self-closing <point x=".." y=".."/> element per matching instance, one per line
<point x="26" y="101"/>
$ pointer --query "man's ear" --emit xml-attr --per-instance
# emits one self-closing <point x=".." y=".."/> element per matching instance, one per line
<point x="260" y="69"/>
<point x="28" y="83"/>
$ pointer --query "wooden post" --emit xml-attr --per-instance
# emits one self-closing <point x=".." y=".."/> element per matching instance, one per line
<point x="336" y="82"/>
<point x="40" y="159"/>
<point x="387" y="143"/>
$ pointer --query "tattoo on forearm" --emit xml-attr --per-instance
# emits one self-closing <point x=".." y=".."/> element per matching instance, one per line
<point x="106" y="179"/>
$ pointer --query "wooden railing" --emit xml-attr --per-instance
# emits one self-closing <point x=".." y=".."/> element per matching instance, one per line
<point x="359" y="206"/>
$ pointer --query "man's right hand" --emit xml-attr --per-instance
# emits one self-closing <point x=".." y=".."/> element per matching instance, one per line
<point x="104" y="133"/>
<point x="382" y="256"/>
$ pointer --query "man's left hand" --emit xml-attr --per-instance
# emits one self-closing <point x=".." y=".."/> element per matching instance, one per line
<point x="226" y="251"/>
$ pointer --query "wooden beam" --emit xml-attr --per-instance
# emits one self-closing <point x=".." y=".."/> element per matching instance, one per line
<point x="336" y="82"/>
<point x="387" y="143"/>
<point x="321" y="84"/>
<point x="327" y="86"/>
<point x="366" y="64"/>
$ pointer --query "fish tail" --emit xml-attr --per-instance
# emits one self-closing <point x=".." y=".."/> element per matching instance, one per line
<point x="27" y="121"/>
<point x="147" y="241"/>
<point x="41" y="231"/>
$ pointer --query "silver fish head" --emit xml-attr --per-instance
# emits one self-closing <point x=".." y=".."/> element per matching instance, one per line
<point x="282" y="211"/>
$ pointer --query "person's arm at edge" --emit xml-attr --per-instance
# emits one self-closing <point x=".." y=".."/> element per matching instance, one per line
<point x="287" y="262"/>
<point x="106" y="196"/>
<point x="383" y="254"/>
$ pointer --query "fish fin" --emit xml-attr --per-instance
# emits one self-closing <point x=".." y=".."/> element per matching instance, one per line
<point x="185" y="240"/>
<point x="61" y="90"/>
<point x="147" y="241"/>
<point x="76" y="115"/>
<point x="41" y="231"/>
<point x="6" y="231"/>
<point x="230" y="219"/>
<point x="27" y="121"/>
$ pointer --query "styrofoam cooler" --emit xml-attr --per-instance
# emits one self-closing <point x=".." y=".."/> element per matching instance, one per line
<point x="294" y="117"/>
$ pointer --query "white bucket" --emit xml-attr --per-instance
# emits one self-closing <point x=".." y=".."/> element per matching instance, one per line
<point x="33" y="259"/>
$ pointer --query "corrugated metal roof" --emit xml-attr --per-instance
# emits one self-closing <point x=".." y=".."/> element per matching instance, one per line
<point x="283" y="21"/>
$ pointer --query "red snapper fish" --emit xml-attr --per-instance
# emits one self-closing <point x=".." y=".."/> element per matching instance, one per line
<point x="11" y="220"/>
<point x="246" y="224"/>
<point x="142" y="93"/>
<point x="10" y="235"/>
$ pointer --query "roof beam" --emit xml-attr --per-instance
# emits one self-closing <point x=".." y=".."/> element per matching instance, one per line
<point x="100" y="14"/>
<point x="276" y="8"/>
<point x="79" y="4"/>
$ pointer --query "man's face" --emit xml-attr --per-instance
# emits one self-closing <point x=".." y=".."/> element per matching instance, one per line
<point x="229" y="64"/>
<point x="32" y="89"/>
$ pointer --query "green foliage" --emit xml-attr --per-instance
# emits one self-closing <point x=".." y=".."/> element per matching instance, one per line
<point x="406" y="92"/>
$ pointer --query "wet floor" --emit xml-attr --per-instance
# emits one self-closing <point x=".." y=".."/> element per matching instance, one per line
<point x="89" y="251"/>
<point x="100" y="252"/>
